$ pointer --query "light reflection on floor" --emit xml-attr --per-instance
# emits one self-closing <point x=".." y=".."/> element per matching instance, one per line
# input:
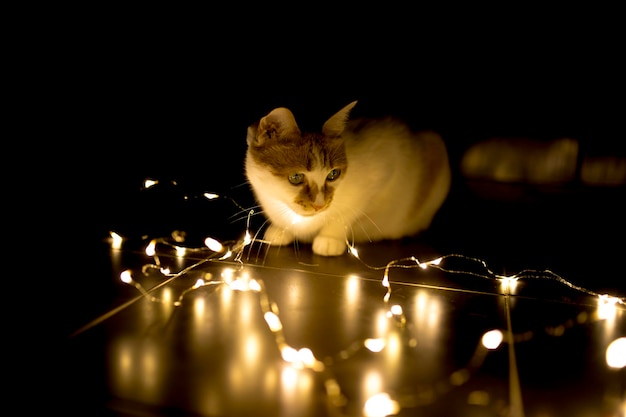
<point x="293" y="341"/>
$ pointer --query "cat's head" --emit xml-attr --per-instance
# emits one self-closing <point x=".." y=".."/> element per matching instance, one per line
<point x="301" y="170"/>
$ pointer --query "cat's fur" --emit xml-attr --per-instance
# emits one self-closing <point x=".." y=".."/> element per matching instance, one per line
<point x="361" y="180"/>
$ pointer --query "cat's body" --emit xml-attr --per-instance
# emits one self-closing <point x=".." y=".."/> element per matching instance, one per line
<point x="361" y="180"/>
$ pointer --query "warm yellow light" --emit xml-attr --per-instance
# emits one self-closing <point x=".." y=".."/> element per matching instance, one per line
<point x="353" y="251"/>
<point x="396" y="310"/>
<point x="210" y="196"/>
<point x="273" y="322"/>
<point x="375" y="345"/>
<point x="305" y="355"/>
<point x="616" y="353"/>
<point x="288" y="353"/>
<point x="247" y="239"/>
<point x="352" y="289"/>
<point x="149" y="183"/>
<point x="180" y="251"/>
<point x="166" y="296"/>
<point x="607" y="307"/>
<point x="116" y="240"/>
<point x="213" y="244"/>
<point x="237" y="285"/>
<point x="435" y="261"/>
<point x="199" y="307"/>
<point x="478" y="397"/>
<point x="227" y="255"/>
<point x="381" y="405"/>
<point x="302" y="358"/>
<point x="385" y="281"/>
<point x="425" y="265"/>
<point x="151" y="248"/>
<point x="381" y="323"/>
<point x="508" y="284"/>
<point x="492" y="339"/>
<point x="126" y="277"/>
<point x="254" y="285"/>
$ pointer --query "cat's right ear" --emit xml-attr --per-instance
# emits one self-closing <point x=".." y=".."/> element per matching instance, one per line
<point x="279" y="124"/>
<point x="336" y="124"/>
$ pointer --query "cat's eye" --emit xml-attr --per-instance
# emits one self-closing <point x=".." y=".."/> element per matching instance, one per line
<point x="333" y="174"/>
<point x="296" y="179"/>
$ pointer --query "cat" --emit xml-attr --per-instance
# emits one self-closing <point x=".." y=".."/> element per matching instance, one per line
<point x="356" y="181"/>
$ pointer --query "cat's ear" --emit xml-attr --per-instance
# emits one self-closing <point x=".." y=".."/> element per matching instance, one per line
<point x="279" y="124"/>
<point x="336" y="124"/>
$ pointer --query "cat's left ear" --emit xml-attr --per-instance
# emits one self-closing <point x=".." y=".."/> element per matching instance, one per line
<point x="337" y="123"/>
<point x="279" y="124"/>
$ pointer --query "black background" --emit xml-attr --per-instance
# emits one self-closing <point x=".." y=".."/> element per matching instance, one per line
<point x="106" y="98"/>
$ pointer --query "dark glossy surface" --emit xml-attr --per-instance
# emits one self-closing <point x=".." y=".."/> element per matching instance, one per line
<point x="214" y="354"/>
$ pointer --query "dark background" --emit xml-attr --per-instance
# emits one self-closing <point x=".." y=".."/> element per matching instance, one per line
<point x="106" y="98"/>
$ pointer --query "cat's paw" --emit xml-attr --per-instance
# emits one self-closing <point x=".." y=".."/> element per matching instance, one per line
<point x="329" y="246"/>
<point x="276" y="236"/>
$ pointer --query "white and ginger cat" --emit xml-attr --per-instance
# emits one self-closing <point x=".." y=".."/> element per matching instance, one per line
<point x="356" y="181"/>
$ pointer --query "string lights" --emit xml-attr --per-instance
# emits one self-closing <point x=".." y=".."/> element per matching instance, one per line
<point x="238" y="276"/>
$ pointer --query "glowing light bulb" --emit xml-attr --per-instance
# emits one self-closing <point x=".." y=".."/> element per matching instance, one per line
<point x="149" y="183"/>
<point x="247" y="238"/>
<point x="492" y="339"/>
<point x="435" y="261"/>
<point x="381" y="405"/>
<point x="253" y="285"/>
<point x="227" y="274"/>
<point x="288" y="353"/>
<point x="210" y="196"/>
<point x="305" y="355"/>
<point x="396" y="310"/>
<point x="385" y="281"/>
<point x="508" y="284"/>
<point x="116" y="240"/>
<point x="273" y="322"/>
<point x="607" y="306"/>
<point x="180" y="251"/>
<point x="616" y="353"/>
<point x="126" y="277"/>
<point x="353" y="251"/>
<point x="237" y="285"/>
<point x="151" y="248"/>
<point x="227" y="255"/>
<point x="213" y="244"/>
<point x="374" y="345"/>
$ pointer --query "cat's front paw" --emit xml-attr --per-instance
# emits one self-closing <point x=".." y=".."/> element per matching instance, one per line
<point x="329" y="246"/>
<point x="276" y="236"/>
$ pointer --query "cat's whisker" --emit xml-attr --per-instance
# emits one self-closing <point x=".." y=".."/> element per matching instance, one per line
<point x="256" y="239"/>
<point x="296" y="247"/>
<point x="359" y="214"/>
<point x="246" y="213"/>
<point x="241" y="184"/>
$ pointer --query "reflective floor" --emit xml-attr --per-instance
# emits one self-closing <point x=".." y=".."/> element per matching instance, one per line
<point x="499" y="310"/>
